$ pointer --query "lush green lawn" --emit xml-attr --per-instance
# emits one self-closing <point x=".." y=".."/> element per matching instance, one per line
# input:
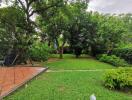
<point x="83" y="63"/>
<point x="67" y="86"/>
<point x="70" y="85"/>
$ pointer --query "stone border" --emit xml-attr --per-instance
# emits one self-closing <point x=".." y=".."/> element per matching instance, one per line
<point x="22" y="84"/>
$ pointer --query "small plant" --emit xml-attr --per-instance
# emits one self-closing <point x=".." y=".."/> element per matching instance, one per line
<point x="112" y="59"/>
<point x="119" y="79"/>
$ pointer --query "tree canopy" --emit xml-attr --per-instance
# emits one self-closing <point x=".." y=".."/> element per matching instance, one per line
<point x="61" y="23"/>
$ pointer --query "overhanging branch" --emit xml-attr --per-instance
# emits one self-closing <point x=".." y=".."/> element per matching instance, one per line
<point x="43" y="9"/>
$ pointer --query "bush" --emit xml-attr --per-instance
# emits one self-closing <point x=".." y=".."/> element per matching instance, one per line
<point x="119" y="79"/>
<point x="39" y="52"/>
<point x="125" y="53"/>
<point x="114" y="60"/>
<point x="67" y="50"/>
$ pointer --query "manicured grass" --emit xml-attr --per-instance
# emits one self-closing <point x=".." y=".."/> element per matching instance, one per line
<point x="68" y="86"/>
<point x="83" y="63"/>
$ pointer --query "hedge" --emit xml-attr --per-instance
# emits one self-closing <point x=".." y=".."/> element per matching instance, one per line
<point x="112" y="59"/>
<point x="125" y="53"/>
<point x="120" y="79"/>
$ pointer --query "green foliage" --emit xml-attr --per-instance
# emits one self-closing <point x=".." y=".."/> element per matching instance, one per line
<point x="39" y="52"/>
<point x="112" y="59"/>
<point x="111" y="30"/>
<point x="62" y="22"/>
<point x="92" y="32"/>
<point x="76" y="27"/>
<point x="96" y="33"/>
<point x="127" y="18"/>
<point x="12" y="23"/>
<point x="125" y="53"/>
<point x="54" y="24"/>
<point x="119" y="78"/>
<point x="18" y="26"/>
<point x="124" y="45"/>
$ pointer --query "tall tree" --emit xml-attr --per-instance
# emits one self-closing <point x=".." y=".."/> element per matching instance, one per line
<point x="127" y="19"/>
<point x="28" y="26"/>
<point x="12" y="29"/>
<point x="76" y="26"/>
<point x="103" y="33"/>
<point x="55" y="24"/>
<point x="111" y="30"/>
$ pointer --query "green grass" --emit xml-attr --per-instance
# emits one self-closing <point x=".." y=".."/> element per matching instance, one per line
<point x="83" y="63"/>
<point x="68" y="86"/>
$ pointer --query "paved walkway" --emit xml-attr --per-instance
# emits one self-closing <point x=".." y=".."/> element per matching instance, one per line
<point x="13" y="77"/>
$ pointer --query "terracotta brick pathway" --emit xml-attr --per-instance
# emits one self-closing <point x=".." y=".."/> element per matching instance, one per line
<point x="13" y="77"/>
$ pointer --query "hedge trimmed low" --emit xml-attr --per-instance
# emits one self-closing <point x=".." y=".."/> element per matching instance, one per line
<point x="119" y="79"/>
<point x="113" y="60"/>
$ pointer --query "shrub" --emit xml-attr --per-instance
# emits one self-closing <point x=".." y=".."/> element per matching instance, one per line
<point x="39" y="52"/>
<point x="118" y="79"/>
<point x="67" y="50"/>
<point x="125" y="53"/>
<point x="112" y="59"/>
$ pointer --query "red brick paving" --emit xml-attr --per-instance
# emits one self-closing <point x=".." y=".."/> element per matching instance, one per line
<point x="13" y="77"/>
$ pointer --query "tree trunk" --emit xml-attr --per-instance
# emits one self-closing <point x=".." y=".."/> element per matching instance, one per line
<point x="61" y="50"/>
<point x="49" y="43"/>
<point x="61" y="53"/>
<point x="77" y="56"/>
<point x="93" y="50"/>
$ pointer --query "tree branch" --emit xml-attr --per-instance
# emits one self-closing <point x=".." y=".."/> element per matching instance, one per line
<point x="31" y="1"/>
<point x="43" y="9"/>
<point x="22" y="4"/>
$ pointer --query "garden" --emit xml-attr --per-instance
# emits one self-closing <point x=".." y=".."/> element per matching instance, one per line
<point x="72" y="79"/>
<point x="86" y="53"/>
